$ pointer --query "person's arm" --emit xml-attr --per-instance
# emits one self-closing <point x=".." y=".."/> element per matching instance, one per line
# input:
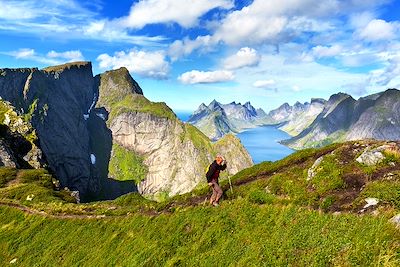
<point x="210" y="172"/>
<point x="223" y="166"/>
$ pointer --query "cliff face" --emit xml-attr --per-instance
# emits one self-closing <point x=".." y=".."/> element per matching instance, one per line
<point x="55" y="100"/>
<point x="172" y="156"/>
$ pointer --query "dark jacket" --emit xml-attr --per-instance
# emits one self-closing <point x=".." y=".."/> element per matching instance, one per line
<point x="213" y="171"/>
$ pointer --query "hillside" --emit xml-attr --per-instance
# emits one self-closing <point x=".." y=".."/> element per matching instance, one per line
<point x="216" y="119"/>
<point x="308" y="209"/>
<point x="102" y="138"/>
<point x="341" y="118"/>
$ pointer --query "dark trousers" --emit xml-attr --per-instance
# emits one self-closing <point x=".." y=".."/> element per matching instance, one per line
<point x="217" y="192"/>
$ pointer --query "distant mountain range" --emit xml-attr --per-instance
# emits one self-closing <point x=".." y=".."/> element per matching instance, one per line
<point x="341" y="118"/>
<point x="311" y="124"/>
<point x="216" y="119"/>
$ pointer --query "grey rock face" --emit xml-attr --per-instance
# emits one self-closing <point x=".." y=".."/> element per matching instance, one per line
<point x="57" y="98"/>
<point x="175" y="165"/>
<point x="7" y="158"/>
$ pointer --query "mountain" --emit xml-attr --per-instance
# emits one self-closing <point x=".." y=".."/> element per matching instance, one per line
<point x="216" y="119"/>
<point x="333" y="206"/>
<point x="101" y="137"/>
<point x="341" y="118"/>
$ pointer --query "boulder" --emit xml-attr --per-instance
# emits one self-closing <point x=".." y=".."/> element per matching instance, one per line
<point x="373" y="156"/>
<point x="313" y="170"/>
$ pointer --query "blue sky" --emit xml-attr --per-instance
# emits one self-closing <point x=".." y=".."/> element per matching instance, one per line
<point x="185" y="52"/>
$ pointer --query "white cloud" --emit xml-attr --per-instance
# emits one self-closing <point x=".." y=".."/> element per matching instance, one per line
<point x="326" y="51"/>
<point x="384" y="76"/>
<point x="51" y="58"/>
<point x="186" y="46"/>
<point x="245" y="57"/>
<point x="74" y="55"/>
<point x="146" y="64"/>
<point x="264" y="83"/>
<point x="296" y="88"/>
<point x="66" y="19"/>
<point x="377" y="30"/>
<point x="183" y="12"/>
<point x="195" y="76"/>
<point x="23" y="53"/>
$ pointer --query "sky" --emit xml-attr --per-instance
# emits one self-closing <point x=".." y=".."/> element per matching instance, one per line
<point x="186" y="52"/>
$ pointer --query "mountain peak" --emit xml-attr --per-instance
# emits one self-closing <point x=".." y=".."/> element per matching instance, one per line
<point x="214" y="105"/>
<point x="337" y="97"/>
<point x="114" y="85"/>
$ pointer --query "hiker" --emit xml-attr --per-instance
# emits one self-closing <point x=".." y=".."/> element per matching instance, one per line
<point x="219" y="164"/>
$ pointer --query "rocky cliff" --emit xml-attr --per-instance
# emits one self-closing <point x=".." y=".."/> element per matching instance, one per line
<point x="216" y="119"/>
<point x="100" y="136"/>
<point x="55" y="100"/>
<point x="171" y="157"/>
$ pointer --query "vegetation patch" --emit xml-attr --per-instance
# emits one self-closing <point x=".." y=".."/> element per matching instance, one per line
<point x="138" y="103"/>
<point x="126" y="165"/>
<point x="328" y="177"/>
<point x="386" y="191"/>
<point x="199" y="140"/>
<point x="7" y="174"/>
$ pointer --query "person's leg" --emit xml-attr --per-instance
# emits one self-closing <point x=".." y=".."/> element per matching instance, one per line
<point x="214" y="195"/>
<point x="219" y="192"/>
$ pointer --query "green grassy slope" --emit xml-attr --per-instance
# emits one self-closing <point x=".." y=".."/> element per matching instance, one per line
<point x="274" y="217"/>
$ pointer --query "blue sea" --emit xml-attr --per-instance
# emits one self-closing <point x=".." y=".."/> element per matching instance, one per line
<point x="183" y="115"/>
<point x="262" y="142"/>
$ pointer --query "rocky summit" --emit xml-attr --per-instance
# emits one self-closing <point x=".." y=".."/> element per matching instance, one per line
<point x="100" y="136"/>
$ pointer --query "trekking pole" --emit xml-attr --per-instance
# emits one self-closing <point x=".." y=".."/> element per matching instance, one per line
<point x="230" y="184"/>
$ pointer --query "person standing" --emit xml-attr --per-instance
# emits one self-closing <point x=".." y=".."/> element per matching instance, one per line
<point x="218" y="165"/>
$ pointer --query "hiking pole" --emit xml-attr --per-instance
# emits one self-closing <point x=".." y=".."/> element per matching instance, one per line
<point x="230" y="184"/>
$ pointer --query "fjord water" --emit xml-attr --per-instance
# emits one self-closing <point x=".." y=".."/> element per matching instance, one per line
<point x="263" y="143"/>
<point x="183" y="115"/>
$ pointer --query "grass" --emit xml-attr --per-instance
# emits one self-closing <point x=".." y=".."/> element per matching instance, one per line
<point x="36" y="183"/>
<point x="7" y="174"/>
<point x="138" y="103"/>
<point x="328" y="176"/>
<point x="274" y="218"/>
<point x="126" y="165"/>
<point x="200" y="141"/>
<point x="63" y="67"/>
<point x="238" y="233"/>
<point x="387" y="192"/>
